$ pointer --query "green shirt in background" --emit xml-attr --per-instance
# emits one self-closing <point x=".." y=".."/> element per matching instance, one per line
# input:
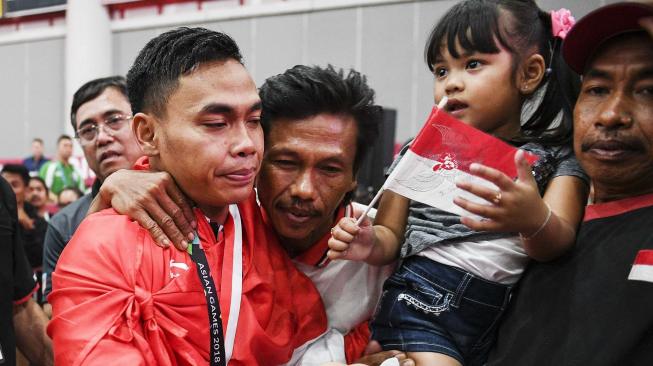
<point x="58" y="176"/>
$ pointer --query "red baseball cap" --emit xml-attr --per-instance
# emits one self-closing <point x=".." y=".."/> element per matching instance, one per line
<point x="592" y="30"/>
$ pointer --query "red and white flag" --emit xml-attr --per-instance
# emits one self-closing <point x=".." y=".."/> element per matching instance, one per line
<point x="441" y="154"/>
<point x="642" y="269"/>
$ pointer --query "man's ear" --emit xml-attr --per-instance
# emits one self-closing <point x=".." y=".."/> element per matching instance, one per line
<point x="351" y="192"/>
<point x="353" y="185"/>
<point x="531" y="73"/>
<point x="145" y="129"/>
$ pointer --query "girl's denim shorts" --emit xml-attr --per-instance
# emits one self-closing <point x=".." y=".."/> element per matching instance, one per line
<point x="431" y="307"/>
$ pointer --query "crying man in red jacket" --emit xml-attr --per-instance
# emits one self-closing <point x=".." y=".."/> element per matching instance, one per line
<point x="119" y="299"/>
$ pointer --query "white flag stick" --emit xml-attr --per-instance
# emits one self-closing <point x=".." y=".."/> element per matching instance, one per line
<point x="443" y="102"/>
<point x="369" y="207"/>
<point x="441" y="105"/>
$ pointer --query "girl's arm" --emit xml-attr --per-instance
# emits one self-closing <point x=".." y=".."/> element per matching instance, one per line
<point x="378" y="244"/>
<point x="547" y="225"/>
<point x="566" y="196"/>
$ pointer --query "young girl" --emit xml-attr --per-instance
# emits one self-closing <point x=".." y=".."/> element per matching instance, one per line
<point x="493" y="59"/>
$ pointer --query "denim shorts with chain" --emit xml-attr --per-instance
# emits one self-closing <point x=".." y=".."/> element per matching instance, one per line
<point x="431" y="307"/>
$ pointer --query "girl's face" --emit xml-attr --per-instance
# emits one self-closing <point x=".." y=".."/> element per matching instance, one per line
<point x="481" y="90"/>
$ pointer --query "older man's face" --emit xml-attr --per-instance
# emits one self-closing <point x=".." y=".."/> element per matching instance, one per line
<point x="307" y="170"/>
<point x="110" y="150"/>
<point x="613" y="119"/>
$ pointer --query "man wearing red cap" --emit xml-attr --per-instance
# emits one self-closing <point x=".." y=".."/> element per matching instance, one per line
<point x="593" y="306"/>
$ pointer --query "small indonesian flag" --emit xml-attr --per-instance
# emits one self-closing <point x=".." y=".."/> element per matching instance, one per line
<point x="643" y="267"/>
<point x="441" y="154"/>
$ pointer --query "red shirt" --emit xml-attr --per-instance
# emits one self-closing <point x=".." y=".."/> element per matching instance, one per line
<point x="118" y="299"/>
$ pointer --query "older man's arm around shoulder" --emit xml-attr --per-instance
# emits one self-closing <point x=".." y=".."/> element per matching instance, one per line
<point x="91" y="286"/>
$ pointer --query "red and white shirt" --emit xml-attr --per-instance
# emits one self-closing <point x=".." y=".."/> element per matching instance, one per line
<point x="120" y="299"/>
<point x="350" y="291"/>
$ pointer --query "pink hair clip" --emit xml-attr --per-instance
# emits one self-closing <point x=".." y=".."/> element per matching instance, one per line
<point x="561" y="22"/>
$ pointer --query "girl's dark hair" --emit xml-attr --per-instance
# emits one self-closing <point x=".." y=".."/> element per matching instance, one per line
<point x="518" y="25"/>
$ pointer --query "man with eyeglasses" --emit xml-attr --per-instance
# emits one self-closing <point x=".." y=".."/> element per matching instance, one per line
<point x="101" y="117"/>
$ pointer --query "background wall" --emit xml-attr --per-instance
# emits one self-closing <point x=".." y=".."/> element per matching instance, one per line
<point x="31" y="95"/>
<point x="384" y="41"/>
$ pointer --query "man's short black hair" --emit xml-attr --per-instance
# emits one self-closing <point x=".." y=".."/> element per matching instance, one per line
<point x="38" y="139"/>
<point x="63" y="137"/>
<point x="92" y="90"/>
<point x="306" y="91"/>
<point x="17" y="169"/>
<point x="156" y="71"/>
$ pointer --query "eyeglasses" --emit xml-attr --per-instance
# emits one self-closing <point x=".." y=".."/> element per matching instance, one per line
<point x="112" y="124"/>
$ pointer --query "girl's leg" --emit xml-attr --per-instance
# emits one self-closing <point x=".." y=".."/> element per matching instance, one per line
<point x="432" y="359"/>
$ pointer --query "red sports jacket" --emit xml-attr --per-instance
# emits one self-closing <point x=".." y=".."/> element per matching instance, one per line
<point x="118" y="299"/>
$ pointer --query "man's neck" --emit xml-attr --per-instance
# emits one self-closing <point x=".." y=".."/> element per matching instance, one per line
<point x="215" y="214"/>
<point x="62" y="161"/>
<point x="605" y="194"/>
<point x="295" y="247"/>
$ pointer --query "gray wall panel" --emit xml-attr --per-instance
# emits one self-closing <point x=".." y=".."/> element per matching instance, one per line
<point x="46" y="116"/>
<point x="126" y="46"/>
<point x="278" y="45"/>
<point x="332" y="38"/>
<point x="578" y="8"/>
<point x="387" y="58"/>
<point x="241" y="31"/>
<point x="13" y="93"/>
<point x="429" y="14"/>
<point x="31" y="96"/>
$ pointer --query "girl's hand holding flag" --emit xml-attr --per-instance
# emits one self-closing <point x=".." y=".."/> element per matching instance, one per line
<point x="350" y="241"/>
<point x="516" y="206"/>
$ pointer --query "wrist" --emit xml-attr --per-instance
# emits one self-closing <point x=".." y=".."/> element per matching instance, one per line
<point x="541" y="227"/>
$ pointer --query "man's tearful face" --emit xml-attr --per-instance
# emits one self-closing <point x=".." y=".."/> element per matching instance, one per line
<point x="307" y="170"/>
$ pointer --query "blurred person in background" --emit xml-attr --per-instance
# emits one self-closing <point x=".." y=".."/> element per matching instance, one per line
<point x="22" y="321"/>
<point x="35" y="162"/>
<point x="37" y="196"/>
<point x="34" y="226"/>
<point x="68" y="196"/>
<point x="101" y="115"/>
<point x="59" y="173"/>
